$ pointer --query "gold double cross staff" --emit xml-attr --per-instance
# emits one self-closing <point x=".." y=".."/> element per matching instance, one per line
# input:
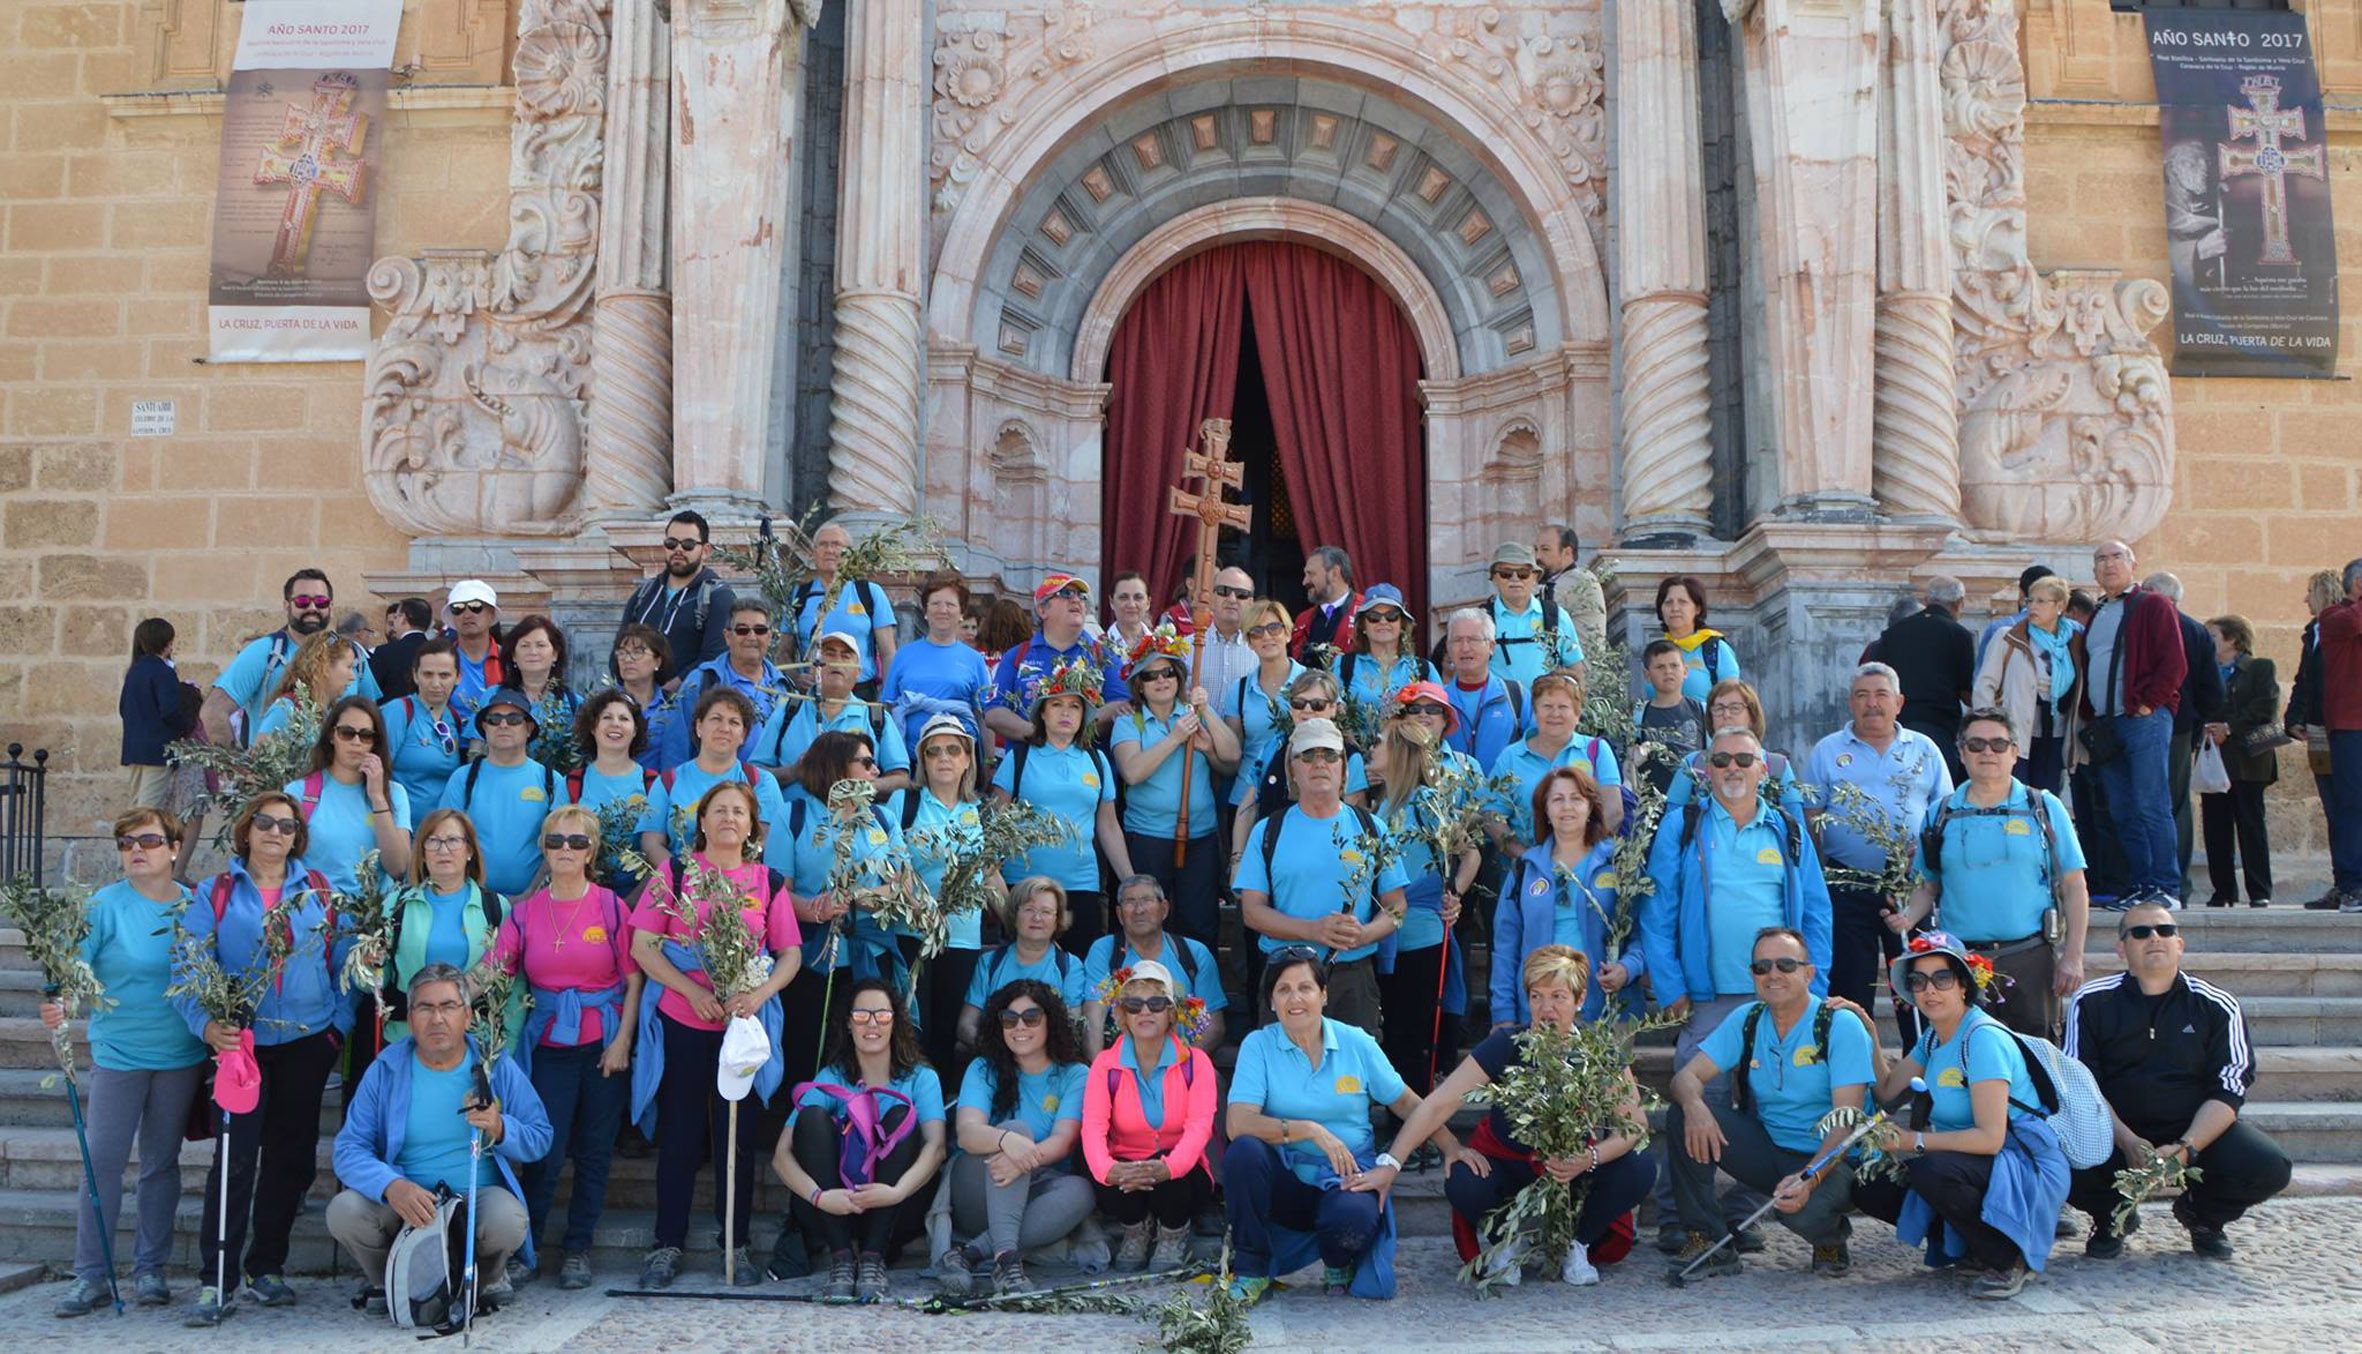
<point x="1214" y="467"/>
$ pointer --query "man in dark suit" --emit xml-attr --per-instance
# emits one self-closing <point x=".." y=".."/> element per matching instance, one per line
<point x="1936" y="658"/>
<point x="406" y="623"/>
<point x="2202" y="704"/>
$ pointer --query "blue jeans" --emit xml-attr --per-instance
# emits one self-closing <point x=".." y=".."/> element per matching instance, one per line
<point x="585" y="1110"/>
<point x="2345" y="818"/>
<point x="2140" y="803"/>
<point x="1264" y="1195"/>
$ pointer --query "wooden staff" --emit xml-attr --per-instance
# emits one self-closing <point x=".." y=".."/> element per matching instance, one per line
<point x="1215" y="467"/>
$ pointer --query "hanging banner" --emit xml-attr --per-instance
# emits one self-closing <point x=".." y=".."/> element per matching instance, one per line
<point x="294" y="217"/>
<point x="2247" y="222"/>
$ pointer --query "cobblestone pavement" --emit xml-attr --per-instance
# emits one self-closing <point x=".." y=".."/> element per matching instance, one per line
<point x="2293" y="1287"/>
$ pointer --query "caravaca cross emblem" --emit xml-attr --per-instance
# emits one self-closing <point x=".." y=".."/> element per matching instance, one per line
<point x="2266" y="124"/>
<point x="305" y="159"/>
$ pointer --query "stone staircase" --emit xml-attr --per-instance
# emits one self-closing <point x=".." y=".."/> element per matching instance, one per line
<point x="2298" y="975"/>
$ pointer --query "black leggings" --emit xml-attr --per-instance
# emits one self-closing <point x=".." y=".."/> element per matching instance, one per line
<point x="943" y="990"/>
<point x="818" y="1140"/>
<point x="692" y="1119"/>
<point x="1408" y="997"/>
<point x="1954" y="1185"/>
<point x="1176" y="1203"/>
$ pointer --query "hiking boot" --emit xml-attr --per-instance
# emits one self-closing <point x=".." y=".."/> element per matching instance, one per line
<point x="82" y="1297"/>
<point x="742" y="1263"/>
<point x="870" y="1283"/>
<point x="1335" y="1280"/>
<point x="2208" y="1242"/>
<point x="1132" y="1252"/>
<point x="1248" y="1289"/>
<point x="575" y="1273"/>
<point x="2351" y="902"/>
<point x="152" y="1290"/>
<point x="209" y="1309"/>
<point x="2106" y="1242"/>
<point x="789" y="1258"/>
<point x="840" y="1278"/>
<point x="519" y="1273"/>
<point x="1008" y="1275"/>
<point x="1671" y="1238"/>
<point x="371" y="1302"/>
<point x="659" y="1269"/>
<point x="1577" y="1270"/>
<point x="1172" y="1249"/>
<point x="1695" y="1244"/>
<point x="1833" y="1261"/>
<point x="271" y="1290"/>
<point x="1748" y="1240"/>
<point x="1996" y="1284"/>
<point x="956" y="1273"/>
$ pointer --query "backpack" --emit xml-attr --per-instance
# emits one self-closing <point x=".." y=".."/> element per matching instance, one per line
<point x="863" y="589"/>
<point x="1550" y="614"/>
<point x="648" y="781"/>
<point x="314" y="880"/>
<point x="475" y="769"/>
<point x="1792" y="840"/>
<point x="1955" y="805"/>
<point x="1115" y="1076"/>
<point x="2066" y="1095"/>
<point x="426" y="1267"/>
<point x="1742" y="1092"/>
<point x="991" y="964"/>
<point x="1175" y="945"/>
<point x="877" y="729"/>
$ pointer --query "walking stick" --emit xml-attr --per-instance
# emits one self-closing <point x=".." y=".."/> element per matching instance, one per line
<point x="221" y="1223"/>
<point x="475" y="1180"/>
<point x="98" y="1216"/>
<point x="1443" y="972"/>
<point x="729" y="1184"/>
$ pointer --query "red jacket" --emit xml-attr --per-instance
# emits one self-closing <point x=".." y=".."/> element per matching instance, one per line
<point x="2154" y="661"/>
<point x="1341" y="641"/>
<point x="1115" y="1128"/>
<point x="2341" y="666"/>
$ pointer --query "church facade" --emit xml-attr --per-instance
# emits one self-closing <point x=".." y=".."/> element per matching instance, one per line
<point x="1808" y="299"/>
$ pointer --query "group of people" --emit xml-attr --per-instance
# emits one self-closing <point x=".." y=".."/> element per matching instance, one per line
<point x="1346" y="794"/>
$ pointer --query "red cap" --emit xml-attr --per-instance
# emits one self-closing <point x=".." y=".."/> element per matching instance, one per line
<point x="1428" y="691"/>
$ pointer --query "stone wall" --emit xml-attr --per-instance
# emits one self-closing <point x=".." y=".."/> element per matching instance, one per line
<point x="107" y="167"/>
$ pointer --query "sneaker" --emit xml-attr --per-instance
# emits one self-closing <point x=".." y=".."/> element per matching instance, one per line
<point x="1695" y="1244"/>
<point x="371" y="1302"/>
<point x="840" y="1278"/>
<point x="2109" y="902"/>
<point x="662" y="1264"/>
<point x="1996" y="1284"/>
<point x="1172" y="1249"/>
<point x="1747" y="1240"/>
<point x="495" y="1295"/>
<point x="1008" y="1275"/>
<point x="575" y="1273"/>
<point x="1335" y="1280"/>
<point x="519" y="1273"/>
<point x="1508" y="1270"/>
<point x="209" y="1308"/>
<point x="82" y="1297"/>
<point x="1671" y="1238"/>
<point x="955" y="1272"/>
<point x="2351" y="902"/>
<point x="2259" y="902"/>
<point x="2327" y="902"/>
<point x="2208" y="1242"/>
<point x="1577" y="1270"/>
<point x="151" y="1290"/>
<point x="742" y="1263"/>
<point x="271" y="1290"/>
<point x="869" y="1284"/>
<point x="1833" y="1261"/>
<point x="1132" y="1252"/>
<point x="1248" y="1289"/>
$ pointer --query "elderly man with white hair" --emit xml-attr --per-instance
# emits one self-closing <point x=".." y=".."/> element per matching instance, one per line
<point x="1491" y="707"/>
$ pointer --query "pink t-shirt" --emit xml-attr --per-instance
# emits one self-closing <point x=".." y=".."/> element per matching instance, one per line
<point x="774" y="923"/>
<point x="584" y="946"/>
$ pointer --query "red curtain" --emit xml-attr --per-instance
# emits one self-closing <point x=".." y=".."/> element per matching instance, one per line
<point x="1173" y="362"/>
<point x="1341" y="366"/>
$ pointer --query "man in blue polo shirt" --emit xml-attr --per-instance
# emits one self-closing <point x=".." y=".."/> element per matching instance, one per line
<point x="507" y="794"/>
<point x="1293" y="889"/>
<point x="1999" y="858"/>
<point x="1531" y="635"/>
<point x="1141" y="909"/>
<point x="252" y="678"/>
<point x="861" y="609"/>
<point x="745" y="666"/>
<point x="1799" y="1064"/>
<point x="1062" y="602"/>
<point x="793" y="724"/>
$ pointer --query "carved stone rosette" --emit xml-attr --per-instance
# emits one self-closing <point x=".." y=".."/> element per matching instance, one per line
<point x="474" y="396"/>
<point x="2066" y="428"/>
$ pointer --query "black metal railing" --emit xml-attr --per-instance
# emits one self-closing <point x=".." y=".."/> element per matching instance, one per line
<point x="24" y="800"/>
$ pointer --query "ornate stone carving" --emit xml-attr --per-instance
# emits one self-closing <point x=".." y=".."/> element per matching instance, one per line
<point x="972" y="73"/>
<point x="1554" y="80"/>
<point x="1914" y="427"/>
<point x="475" y="390"/>
<point x="2066" y="430"/>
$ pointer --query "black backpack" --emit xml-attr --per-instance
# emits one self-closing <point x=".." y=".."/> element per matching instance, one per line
<point x="475" y="769"/>
<point x="1931" y="838"/>
<point x="1791" y="840"/>
<point x="1742" y="1092"/>
<point x="877" y="730"/>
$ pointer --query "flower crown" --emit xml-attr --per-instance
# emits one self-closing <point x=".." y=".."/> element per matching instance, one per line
<point x="1190" y="1016"/>
<point x="1162" y="642"/>
<point x="1980" y="968"/>
<point x="1073" y="677"/>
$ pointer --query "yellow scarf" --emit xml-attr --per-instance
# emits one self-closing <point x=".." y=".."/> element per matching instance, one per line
<point x="1689" y="643"/>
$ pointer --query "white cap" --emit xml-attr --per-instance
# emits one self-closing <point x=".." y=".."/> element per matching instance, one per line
<point x="745" y="1048"/>
<point x="473" y="590"/>
<point x="852" y="645"/>
<point x="1150" y="971"/>
<point x="1315" y="733"/>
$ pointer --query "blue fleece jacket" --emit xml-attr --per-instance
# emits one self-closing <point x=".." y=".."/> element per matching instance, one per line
<point x="378" y="1120"/>
<point x="309" y="995"/>
<point x="1673" y="927"/>
<point x="1525" y="920"/>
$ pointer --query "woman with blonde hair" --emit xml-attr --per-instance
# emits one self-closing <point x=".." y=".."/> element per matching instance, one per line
<point x="2033" y="672"/>
<point x="2305" y="720"/>
<point x="1421" y="986"/>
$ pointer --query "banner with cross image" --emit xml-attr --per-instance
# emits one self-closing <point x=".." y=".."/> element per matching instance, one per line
<point x="2247" y="187"/>
<point x="294" y="217"/>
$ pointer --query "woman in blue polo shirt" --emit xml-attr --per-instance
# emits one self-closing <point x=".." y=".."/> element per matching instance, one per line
<point x="1158" y="745"/>
<point x="939" y="673"/>
<point x="533" y="655"/>
<point x="1302" y="1173"/>
<point x="1256" y="705"/>
<point x="351" y="806"/>
<point x="720" y="725"/>
<point x="423" y="729"/>
<point x="1013" y="1183"/>
<point x="840" y="936"/>
<point x="1557" y="700"/>
<point x="1033" y="916"/>
<point x="639" y="658"/>
<point x="941" y="817"/>
<point x="1381" y="663"/>
<point x="1056" y="771"/>
<point x="1415" y="983"/>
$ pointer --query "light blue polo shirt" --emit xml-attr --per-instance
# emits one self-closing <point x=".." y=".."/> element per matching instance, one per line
<point x="1310" y="863"/>
<point x="339" y="830"/>
<point x="1997" y="868"/>
<point x="1518" y="761"/>
<point x="426" y="749"/>
<point x="1152" y="807"/>
<point x="960" y="825"/>
<point x="764" y="690"/>
<point x="1422" y="926"/>
<point x="473" y="686"/>
<point x="671" y="808"/>
<point x="807" y="858"/>
<point x="1353" y="1075"/>
<point x="129" y="950"/>
<point x="1101" y="961"/>
<point x="1523" y="650"/>
<point x="1746" y="890"/>
<point x="1903" y="781"/>
<point x="1789" y="1077"/>
<point x="999" y="966"/>
<point x="1249" y="784"/>
<point x="1069" y="784"/>
<point x="862" y="609"/>
<point x="945" y="672"/>
<point x="923" y="1087"/>
<point x="1990" y="1055"/>
<point x="1150" y="1083"/>
<point x="252" y="678"/>
<point x="1259" y="713"/>
<point x="795" y="725"/>
<point x="435" y="1136"/>
<point x="600" y="789"/>
<point x="507" y="808"/>
<point x="1045" y="1099"/>
<point x="1374" y="683"/>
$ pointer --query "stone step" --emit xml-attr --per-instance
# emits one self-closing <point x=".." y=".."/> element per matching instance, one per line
<point x="2278" y="929"/>
<point x="2311" y="1131"/>
<point x="2259" y="973"/>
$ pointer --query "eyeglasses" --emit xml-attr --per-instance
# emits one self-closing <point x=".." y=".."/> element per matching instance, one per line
<point x="264" y="822"/>
<point x="356" y="733"/>
<point x="1320" y="756"/>
<point x="2164" y="929"/>
<point x="1942" y="980"/>
<point x="1309" y="702"/>
<point x="1742" y="760"/>
<point x="744" y="630"/>
<point x="634" y="651"/>
<point x="1426" y="708"/>
<point x="1135" y="1005"/>
<point x="445" y="843"/>
<point x="419" y="1009"/>
<point x="679" y="543"/>
<point x="945" y="748"/>
<point x="1513" y="575"/>
<point x="870" y="1017"/>
<point x="500" y="719"/>
<point x="1225" y="590"/>
<point x="1785" y="965"/>
<point x="307" y="602"/>
<point x="1032" y="913"/>
<point x="1385" y="616"/>
<point x="470" y="608"/>
<point x="565" y="841"/>
<point x="1141" y="900"/>
<point x="2002" y="743"/>
<point x="1031" y="1016"/>
<point x="1266" y="629"/>
<point x="146" y="841"/>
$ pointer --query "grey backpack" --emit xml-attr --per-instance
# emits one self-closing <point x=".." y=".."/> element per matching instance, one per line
<point x="423" y="1271"/>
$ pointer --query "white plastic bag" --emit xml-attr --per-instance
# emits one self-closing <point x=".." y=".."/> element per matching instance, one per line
<point x="2209" y="777"/>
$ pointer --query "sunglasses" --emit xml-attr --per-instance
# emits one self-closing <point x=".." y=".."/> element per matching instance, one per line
<point x="1160" y="673"/>
<point x="1384" y="616"/>
<point x="1310" y="703"/>
<point x="264" y="822"/>
<point x="1320" y="756"/>
<point x="470" y="608"/>
<point x="744" y="630"/>
<point x="2164" y="929"/>
<point x="1426" y="708"/>
<point x="146" y="841"/>
<point x="1513" y="574"/>
<point x="870" y="762"/>
<point x="1073" y="593"/>
<point x="1030" y="1017"/>
<point x="1266" y="628"/>
<point x="1135" y="1005"/>
<point x="1293" y="954"/>
<point x="1225" y="590"/>
<point x="445" y="735"/>
<point x="870" y="1017"/>
<point x="307" y="602"/>
<point x="2001" y="744"/>
<point x="565" y="841"/>
<point x="1942" y="980"/>
<point x="499" y="719"/>
<point x="356" y="733"/>
<point x="682" y="543"/>
<point x="1763" y="966"/>
<point x="1738" y="759"/>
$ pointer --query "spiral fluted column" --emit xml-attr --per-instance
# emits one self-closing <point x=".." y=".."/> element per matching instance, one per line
<point x="628" y="461"/>
<point x="1915" y="422"/>
<point x="1668" y="452"/>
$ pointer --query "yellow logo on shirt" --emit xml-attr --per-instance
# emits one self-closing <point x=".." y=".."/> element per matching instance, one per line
<point x="531" y="795"/>
<point x="1049" y="1104"/>
<point x="1350" y="856"/>
<point x="856" y="609"/>
<point x="1605" y="879"/>
<point x="1845" y="759"/>
<point x="1349" y="1085"/>
<point x="968" y="817"/>
<point x="1090" y="780"/>
<point x="1541" y="886"/>
<point x="2016" y="827"/>
<point x="877" y="836"/>
<point x="594" y="934"/>
<point x="1769" y="855"/>
<point x="1806" y="1053"/>
<point x="1952" y="1078"/>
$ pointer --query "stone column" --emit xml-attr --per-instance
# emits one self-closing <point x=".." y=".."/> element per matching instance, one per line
<point x="628" y="465"/>
<point x="736" y="90"/>
<point x="1915" y="428"/>
<point x="1812" y="115"/>
<point x="881" y="237"/>
<point x="1668" y="472"/>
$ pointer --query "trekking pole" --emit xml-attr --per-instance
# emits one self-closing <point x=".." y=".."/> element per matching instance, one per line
<point x="98" y="1217"/>
<point x="729" y="1185"/>
<point x="221" y="1228"/>
<point x="475" y="1178"/>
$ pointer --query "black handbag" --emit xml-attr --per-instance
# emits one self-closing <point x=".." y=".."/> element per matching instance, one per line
<point x="2101" y="743"/>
